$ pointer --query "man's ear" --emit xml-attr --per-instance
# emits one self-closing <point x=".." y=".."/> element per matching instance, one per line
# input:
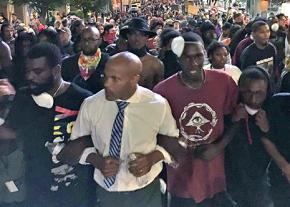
<point x="253" y="35"/>
<point x="56" y="70"/>
<point x="136" y="79"/>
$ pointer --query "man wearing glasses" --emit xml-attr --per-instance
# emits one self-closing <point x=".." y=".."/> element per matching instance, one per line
<point x="86" y="69"/>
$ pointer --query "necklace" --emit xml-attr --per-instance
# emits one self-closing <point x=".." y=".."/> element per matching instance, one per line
<point x="57" y="90"/>
<point x="188" y="85"/>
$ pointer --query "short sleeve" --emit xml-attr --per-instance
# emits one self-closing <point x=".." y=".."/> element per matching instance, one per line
<point x="231" y="96"/>
<point x="158" y="89"/>
<point x="168" y="125"/>
<point x="82" y="126"/>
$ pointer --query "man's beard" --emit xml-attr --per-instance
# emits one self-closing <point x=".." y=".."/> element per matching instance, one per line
<point x="264" y="43"/>
<point x="90" y="52"/>
<point x="37" y="89"/>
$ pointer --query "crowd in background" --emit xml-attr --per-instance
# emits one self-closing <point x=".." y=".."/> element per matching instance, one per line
<point x="224" y="85"/>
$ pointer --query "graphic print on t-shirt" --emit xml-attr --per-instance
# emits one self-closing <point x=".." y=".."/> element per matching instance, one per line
<point x="267" y="64"/>
<point x="197" y="122"/>
<point x="63" y="174"/>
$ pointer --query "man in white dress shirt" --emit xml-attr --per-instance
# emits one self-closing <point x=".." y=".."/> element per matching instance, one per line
<point x="123" y="181"/>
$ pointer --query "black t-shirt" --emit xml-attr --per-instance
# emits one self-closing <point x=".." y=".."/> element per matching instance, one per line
<point x="35" y="126"/>
<point x="279" y="119"/>
<point x="247" y="161"/>
<point x="266" y="58"/>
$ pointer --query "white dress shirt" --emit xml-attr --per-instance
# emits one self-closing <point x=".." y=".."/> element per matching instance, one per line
<point x="147" y="115"/>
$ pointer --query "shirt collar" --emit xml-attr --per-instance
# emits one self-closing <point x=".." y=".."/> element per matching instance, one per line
<point x="135" y="98"/>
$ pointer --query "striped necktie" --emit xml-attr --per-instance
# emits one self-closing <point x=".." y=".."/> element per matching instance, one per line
<point x="116" y="138"/>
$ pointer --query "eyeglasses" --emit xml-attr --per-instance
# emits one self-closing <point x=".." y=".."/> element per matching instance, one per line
<point x="257" y="94"/>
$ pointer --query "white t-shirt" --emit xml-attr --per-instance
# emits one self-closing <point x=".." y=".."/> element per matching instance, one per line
<point x="231" y="70"/>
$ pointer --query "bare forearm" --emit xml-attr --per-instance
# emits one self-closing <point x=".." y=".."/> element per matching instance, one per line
<point x="94" y="159"/>
<point x="72" y="152"/>
<point x="155" y="156"/>
<point x="210" y="151"/>
<point x="228" y="136"/>
<point x="170" y="144"/>
<point x="272" y="150"/>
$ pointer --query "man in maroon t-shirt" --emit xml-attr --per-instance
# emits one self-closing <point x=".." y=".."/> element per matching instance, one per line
<point x="199" y="100"/>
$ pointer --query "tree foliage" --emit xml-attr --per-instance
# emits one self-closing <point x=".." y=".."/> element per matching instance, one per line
<point x="89" y="5"/>
<point x="41" y="6"/>
<point x="85" y="5"/>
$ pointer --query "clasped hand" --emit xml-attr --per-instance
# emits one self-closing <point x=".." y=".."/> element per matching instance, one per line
<point x="260" y="118"/>
<point x="109" y="166"/>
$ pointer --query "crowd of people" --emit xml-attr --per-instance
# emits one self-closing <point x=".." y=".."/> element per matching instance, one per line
<point x="149" y="109"/>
